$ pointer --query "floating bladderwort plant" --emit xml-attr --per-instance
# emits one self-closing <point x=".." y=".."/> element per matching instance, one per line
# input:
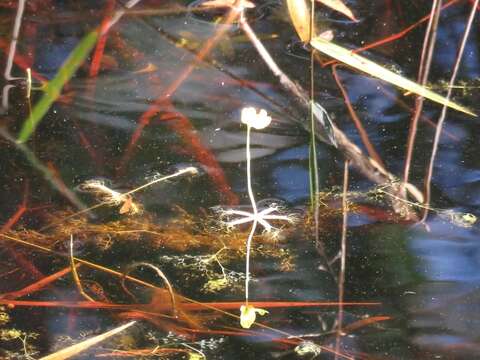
<point x="258" y="120"/>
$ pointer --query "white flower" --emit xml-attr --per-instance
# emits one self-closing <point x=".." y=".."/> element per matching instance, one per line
<point x="256" y="120"/>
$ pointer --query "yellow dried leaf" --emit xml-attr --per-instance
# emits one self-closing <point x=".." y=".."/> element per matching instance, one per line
<point x="361" y="63"/>
<point x="300" y="16"/>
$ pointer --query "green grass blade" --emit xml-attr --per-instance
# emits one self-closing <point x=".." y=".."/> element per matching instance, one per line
<point x="54" y="87"/>
<point x="363" y="64"/>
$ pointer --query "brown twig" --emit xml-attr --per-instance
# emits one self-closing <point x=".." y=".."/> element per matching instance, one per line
<point x="366" y="165"/>
<point x="37" y="286"/>
<point x="161" y="275"/>
<point x="423" y="72"/>
<point x="441" y="119"/>
<point x="75" y="276"/>
<point x="358" y="124"/>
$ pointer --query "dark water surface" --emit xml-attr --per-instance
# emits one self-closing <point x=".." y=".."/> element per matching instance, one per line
<point x="426" y="278"/>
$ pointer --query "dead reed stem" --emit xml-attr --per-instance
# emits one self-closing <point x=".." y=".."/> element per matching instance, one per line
<point x="423" y="72"/>
<point x="441" y="119"/>
<point x="358" y="123"/>
<point x="13" y="44"/>
<point x="370" y="168"/>
<point x="75" y="276"/>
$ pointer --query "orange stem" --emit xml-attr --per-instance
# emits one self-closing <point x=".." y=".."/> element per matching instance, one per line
<point x="395" y="36"/>
<point x="356" y="120"/>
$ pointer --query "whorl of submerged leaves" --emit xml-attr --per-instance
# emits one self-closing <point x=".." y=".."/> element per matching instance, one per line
<point x="180" y="233"/>
<point x="17" y="337"/>
<point x="267" y="213"/>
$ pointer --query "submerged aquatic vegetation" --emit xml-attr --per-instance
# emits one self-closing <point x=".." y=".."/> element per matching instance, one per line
<point x="188" y="247"/>
<point x="208" y="269"/>
<point x="308" y="348"/>
<point x="78" y="348"/>
<point x="257" y="120"/>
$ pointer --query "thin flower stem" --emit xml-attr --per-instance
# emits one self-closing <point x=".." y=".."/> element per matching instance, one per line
<point x="343" y="250"/>
<point x="247" y="262"/>
<point x="255" y="217"/>
<point x="249" y="173"/>
<point x="367" y="166"/>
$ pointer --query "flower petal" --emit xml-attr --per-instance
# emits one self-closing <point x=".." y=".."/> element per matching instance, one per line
<point x="248" y="314"/>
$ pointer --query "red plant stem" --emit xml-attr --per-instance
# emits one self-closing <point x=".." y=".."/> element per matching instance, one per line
<point x="37" y="286"/>
<point x="183" y="306"/>
<point x="155" y="108"/>
<point x="104" y="28"/>
<point x="19" y="258"/>
<point x="183" y="127"/>
<point x="472" y="2"/>
<point x="100" y="47"/>
<point x="441" y="119"/>
<point x="394" y="36"/>
<point x="186" y="131"/>
<point x="87" y="145"/>
<point x="423" y="72"/>
<point x="14" y="218"/>
<point x="93" y="72"/>
<point x="365" y="322"/>
<point x="358" y="123"/>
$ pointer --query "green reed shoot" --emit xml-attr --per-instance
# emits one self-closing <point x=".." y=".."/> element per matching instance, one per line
<point x="54" y="87"/>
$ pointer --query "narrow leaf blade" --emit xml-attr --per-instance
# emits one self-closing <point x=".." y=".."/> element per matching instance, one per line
<point x="363" y="64"/>
<point x="55" y="86"/>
